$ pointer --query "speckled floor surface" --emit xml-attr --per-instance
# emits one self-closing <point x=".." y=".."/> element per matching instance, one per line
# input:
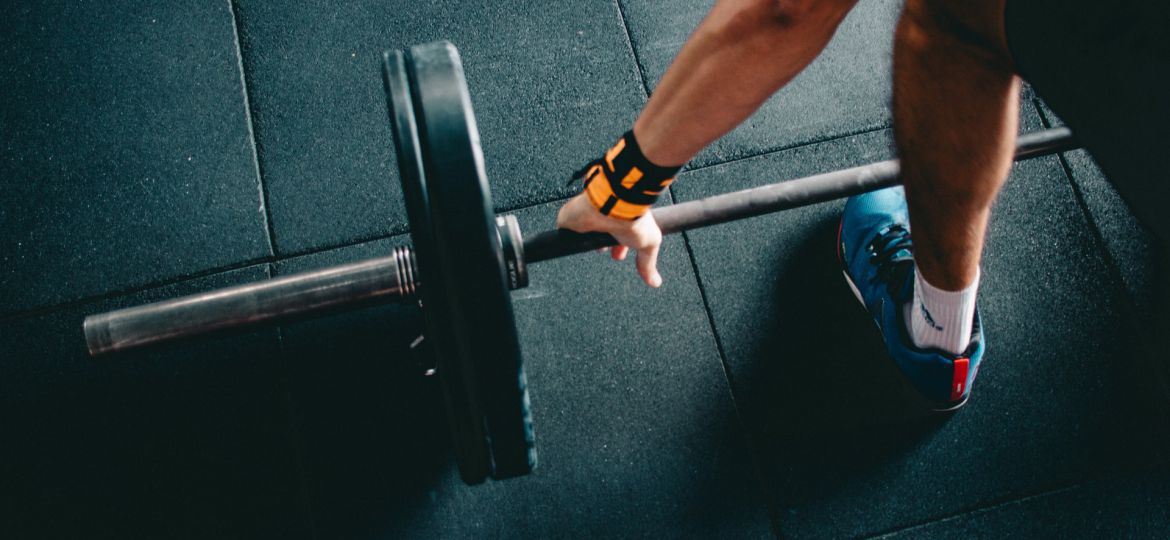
<point x="153" y="149"/>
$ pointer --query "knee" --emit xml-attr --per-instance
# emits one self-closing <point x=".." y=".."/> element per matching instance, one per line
<point x="953" y="25"/>
<point x="927" y="24"/>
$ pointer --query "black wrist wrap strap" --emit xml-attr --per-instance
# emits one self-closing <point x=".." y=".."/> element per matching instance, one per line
<point x="624" y="184"/>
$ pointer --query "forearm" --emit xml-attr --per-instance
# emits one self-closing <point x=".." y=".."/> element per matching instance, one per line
<point x="742" y="53"/>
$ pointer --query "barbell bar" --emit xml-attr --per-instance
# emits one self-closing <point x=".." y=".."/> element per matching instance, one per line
<point x="396" y="278"/>
<point x="464" y="261"/>
<point x="771" y="198"/>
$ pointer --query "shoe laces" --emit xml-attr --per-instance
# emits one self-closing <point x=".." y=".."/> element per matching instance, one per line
<point x="893" y="254"/>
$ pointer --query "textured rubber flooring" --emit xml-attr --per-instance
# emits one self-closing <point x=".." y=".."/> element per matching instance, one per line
<point x="149" y="151"/>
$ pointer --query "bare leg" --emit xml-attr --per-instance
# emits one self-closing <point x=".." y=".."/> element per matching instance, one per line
<point x="742" y="52"/>
<point x="955" y="116"/>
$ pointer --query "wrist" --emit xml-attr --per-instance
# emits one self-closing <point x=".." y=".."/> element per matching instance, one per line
<point x="624" y="183"/>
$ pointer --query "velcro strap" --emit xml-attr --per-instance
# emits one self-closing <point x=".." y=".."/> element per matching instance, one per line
<point x="624" y="184"/>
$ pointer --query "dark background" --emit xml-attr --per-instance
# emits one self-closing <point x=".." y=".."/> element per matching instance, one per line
<point x="153" y="149"/>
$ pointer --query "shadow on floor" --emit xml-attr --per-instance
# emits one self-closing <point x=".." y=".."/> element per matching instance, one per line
<point x="825" y="397"/>
<point x="827" y="405"/>
<point x="372" y="427"/>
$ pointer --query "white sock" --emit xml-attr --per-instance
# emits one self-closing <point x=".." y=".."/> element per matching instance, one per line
<point x="941" y="319"/>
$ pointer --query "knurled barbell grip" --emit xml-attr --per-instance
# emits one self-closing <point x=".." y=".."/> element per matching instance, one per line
<point x="384" y="279"/>
<point x="771" y="198"/>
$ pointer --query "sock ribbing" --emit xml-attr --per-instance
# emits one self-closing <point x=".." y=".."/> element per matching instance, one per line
<point x="939" y="319"/>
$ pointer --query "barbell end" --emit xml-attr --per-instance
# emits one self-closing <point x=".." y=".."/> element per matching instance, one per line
<point x="394" y="279"/>
<point x="382" y="280"/>
<point x="97" y="334"/>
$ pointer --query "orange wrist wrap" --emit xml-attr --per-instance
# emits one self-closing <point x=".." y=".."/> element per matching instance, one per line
<point x="623" y="184"/>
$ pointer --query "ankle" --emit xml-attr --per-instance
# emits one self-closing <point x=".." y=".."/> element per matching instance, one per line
<point x="941" y="319"/>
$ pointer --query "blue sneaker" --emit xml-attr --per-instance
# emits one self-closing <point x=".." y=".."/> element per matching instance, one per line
<point x="873" y="245"/>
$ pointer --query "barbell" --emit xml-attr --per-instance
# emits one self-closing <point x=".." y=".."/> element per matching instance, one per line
<point x="464" y="261"/>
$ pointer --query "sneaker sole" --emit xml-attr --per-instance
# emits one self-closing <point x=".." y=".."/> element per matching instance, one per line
<point x="857" y="294"/>
<point x="845" y="270"/>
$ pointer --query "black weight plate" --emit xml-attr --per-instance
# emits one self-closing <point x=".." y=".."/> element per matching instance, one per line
<point x="463" y="412"/>
<point x="468" y="252"/>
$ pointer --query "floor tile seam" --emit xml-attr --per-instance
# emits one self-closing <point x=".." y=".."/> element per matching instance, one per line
<point x="278" y="257"/>
<point x="397" y="230"/>
<point x="873" y="128"/>
<point x="48" y="309"/>
<point x="186" y="277"/>
<point x="38" y="310"/>
<point x="401" y="230"/>
<point x="284" y="379"/>
<point x="753" y="448"/>
<point x="273" y="260"/>
<point x="1001" y="502"/>
<point x="979" y="509"/>
<point x="1098" y="236"/>
<point x="270" y="230"/>
<point x="541" y="202"/>
<point x="557" y="198"/>
<point x="633" y="50"/>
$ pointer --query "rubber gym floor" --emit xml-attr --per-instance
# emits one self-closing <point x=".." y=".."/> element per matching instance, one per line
<point x="150" y="149"/>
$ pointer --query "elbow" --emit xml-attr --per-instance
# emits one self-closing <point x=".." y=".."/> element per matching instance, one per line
<point x="790" y="14"/>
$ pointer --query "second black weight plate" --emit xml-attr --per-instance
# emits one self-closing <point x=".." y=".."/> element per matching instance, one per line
<point x="463" y="412"/>
<point x="471" y="295"/>
<point x="468" y="248"/>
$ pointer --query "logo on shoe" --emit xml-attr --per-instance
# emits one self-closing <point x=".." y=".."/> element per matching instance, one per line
<point x="959" y="380"/>
<point x="928" y="318"/>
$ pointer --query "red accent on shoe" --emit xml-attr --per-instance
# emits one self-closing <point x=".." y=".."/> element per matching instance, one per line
<point x="959" y="383"/>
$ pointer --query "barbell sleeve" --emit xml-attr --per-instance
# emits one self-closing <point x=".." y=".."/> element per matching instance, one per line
<point x="395" y="278"/>
<point x="772" y="198"/>
<point x="381" y="279"/>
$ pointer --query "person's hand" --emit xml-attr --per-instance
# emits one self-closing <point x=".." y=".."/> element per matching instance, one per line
<point x="641" y="235"/>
